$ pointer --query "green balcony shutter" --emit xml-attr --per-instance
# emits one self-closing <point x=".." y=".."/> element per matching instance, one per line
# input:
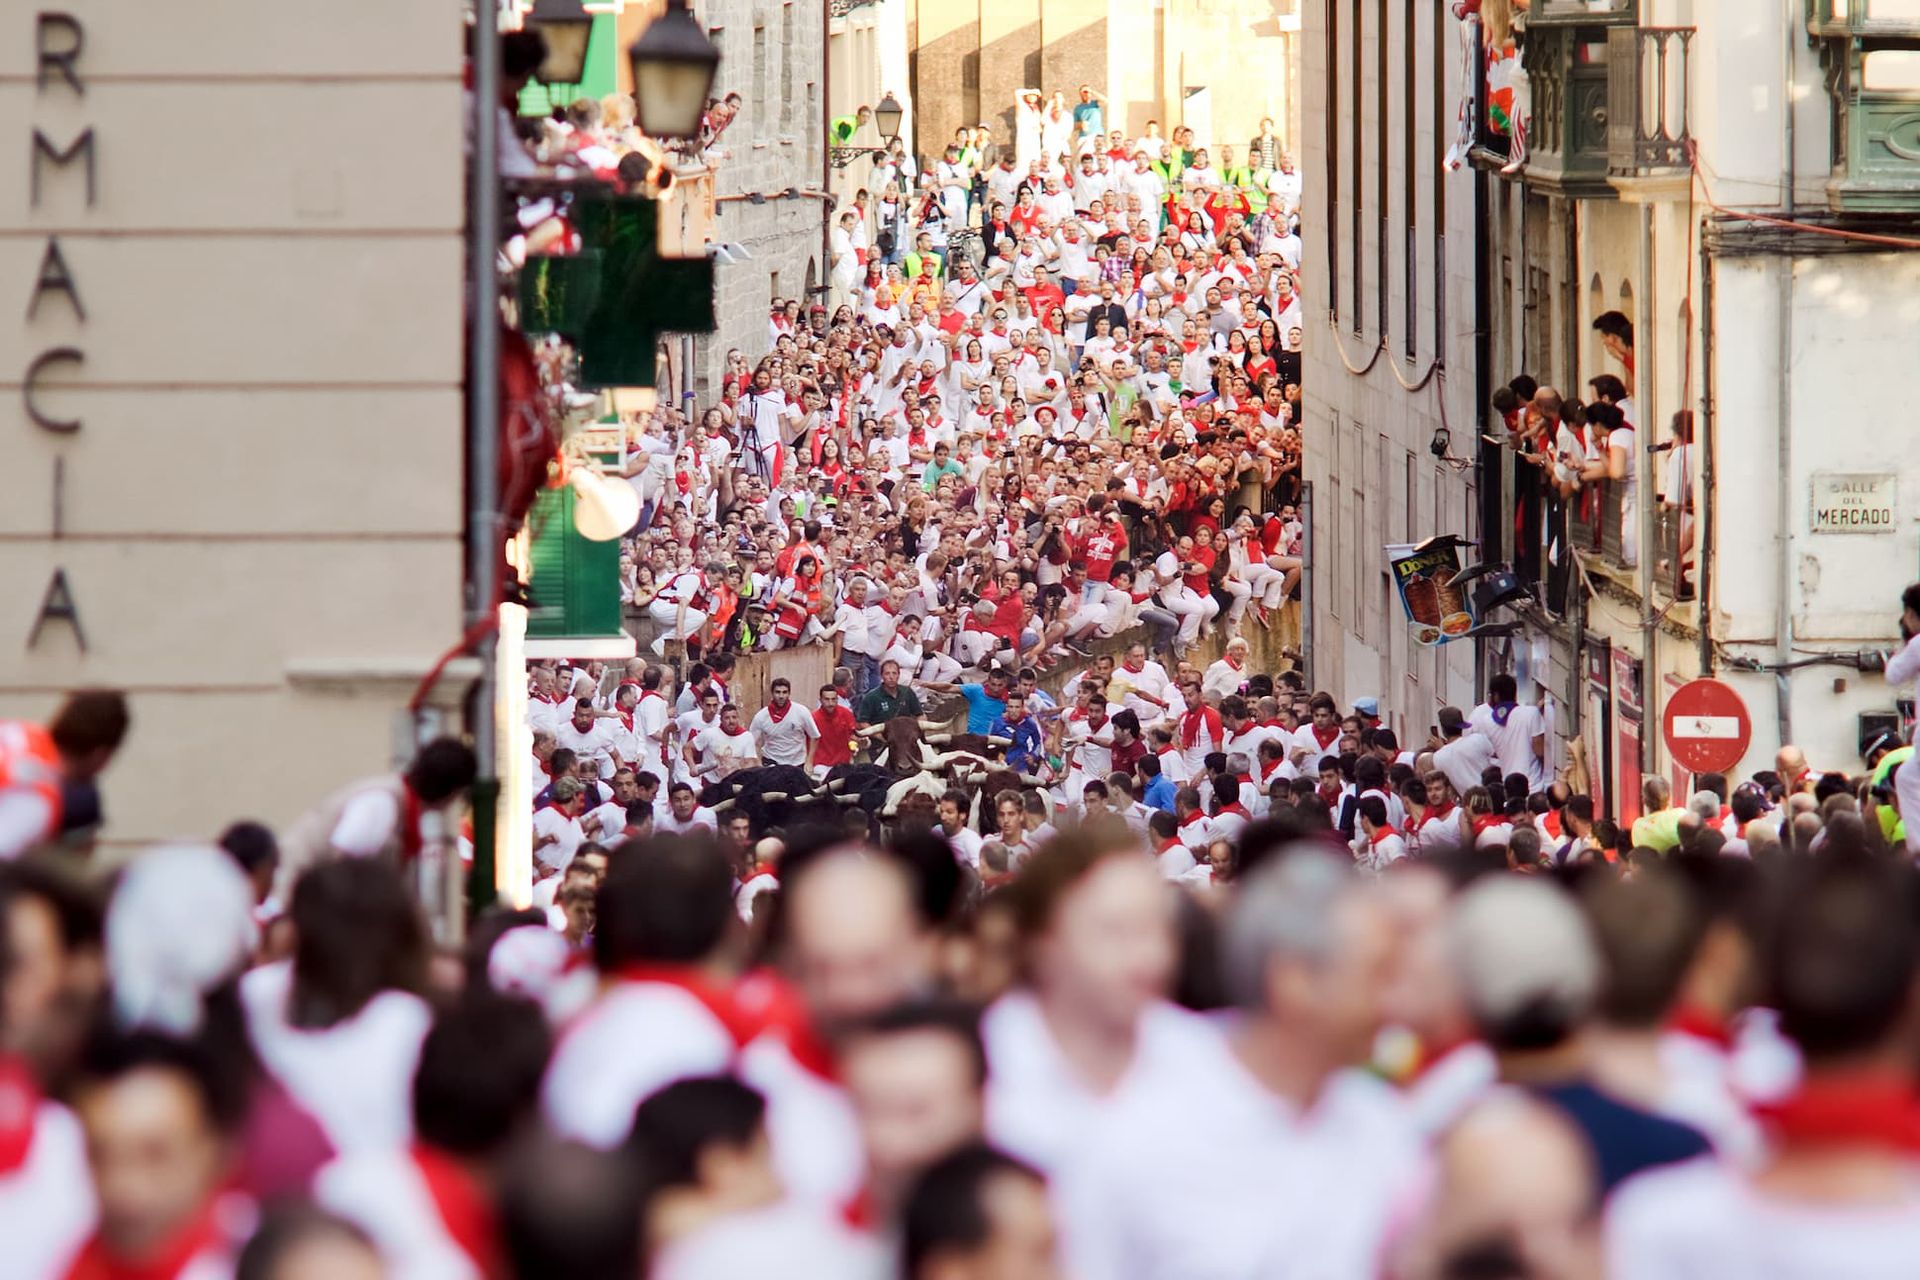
<point x="575" y="584"/>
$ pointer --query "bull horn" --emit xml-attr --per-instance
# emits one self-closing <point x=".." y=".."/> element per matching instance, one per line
<point x="992" y="741"/>
<point x="931" y="724"/>
<point x="723" y="805"/>
<point x="1031" y="780"/>
<point x="939" y="739"/>
<point x="836" y="785"/>
<point x="873" y="730"/>
<point x="775" y="795"/>
<point x="848" y="799"/>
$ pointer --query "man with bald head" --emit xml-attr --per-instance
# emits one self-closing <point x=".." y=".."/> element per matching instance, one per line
<point x="854" y="945"/>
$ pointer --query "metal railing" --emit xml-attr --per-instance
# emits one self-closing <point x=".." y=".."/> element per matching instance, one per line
<point x="1648" y="130"/>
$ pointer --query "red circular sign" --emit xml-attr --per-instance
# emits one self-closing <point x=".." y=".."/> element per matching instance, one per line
<point x="1706" y="726"/>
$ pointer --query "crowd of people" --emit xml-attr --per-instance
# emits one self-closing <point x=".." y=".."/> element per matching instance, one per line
<point x="1263" y="992"/>
<point x="1060" y="399"/>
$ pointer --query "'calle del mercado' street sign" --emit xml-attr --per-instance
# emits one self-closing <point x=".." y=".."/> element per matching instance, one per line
<point x="1854" y="502"/>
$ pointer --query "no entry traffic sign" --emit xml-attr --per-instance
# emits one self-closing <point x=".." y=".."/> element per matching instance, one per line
<point x="1706" y="726"/>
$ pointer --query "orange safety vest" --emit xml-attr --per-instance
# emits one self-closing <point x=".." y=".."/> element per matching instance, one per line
<point x="30" y="762"/>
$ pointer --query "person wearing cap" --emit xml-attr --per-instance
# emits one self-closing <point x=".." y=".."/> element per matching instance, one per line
<point x="1462" y="756"/>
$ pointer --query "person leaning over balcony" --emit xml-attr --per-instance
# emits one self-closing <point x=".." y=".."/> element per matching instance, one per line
<point x="1610" y="438"/>
<point x="1616" y="335"/>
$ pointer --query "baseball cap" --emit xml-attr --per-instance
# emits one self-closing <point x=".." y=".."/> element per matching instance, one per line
<point x="1369" y="707"/>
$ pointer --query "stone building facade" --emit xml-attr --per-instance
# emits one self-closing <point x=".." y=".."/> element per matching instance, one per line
<point x="1216" y="65"/>
<point x="770" y="187"/>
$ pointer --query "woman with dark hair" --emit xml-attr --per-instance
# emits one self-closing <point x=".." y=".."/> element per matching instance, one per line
<point x="340" y="1024"/>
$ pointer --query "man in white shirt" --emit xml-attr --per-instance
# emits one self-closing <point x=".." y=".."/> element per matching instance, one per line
<point x="1834" y="1196"/>
<point x="728" y="746"/>
<point x="952" y="810"/>
<point x="1302" y="1157"/>
<point x="685" y="813"/>
<point x="694" y="764"/>
<point x="785" y="731"/>
<point x="557" y="832"/>
<point x="1517" y="731"/>
<point x="1462" y="756"/>
<point x="590" y="738"/>
<point x="1093" y="1031"/>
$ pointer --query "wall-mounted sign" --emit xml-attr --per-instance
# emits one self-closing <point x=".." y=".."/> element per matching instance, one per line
<point x="1854" y="501"/>
<point x="1437" y="610"/>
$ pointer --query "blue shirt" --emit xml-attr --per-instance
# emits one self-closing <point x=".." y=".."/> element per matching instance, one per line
<point x="1625" y="1139"/>
<point x="982" y="710"/>
<point x="1026" y="741"/>
<point x="1159" y="793"/>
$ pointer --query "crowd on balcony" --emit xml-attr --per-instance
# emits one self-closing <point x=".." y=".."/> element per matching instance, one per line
<point x="1577" y="478"/>
<point x="1057" y="399"/>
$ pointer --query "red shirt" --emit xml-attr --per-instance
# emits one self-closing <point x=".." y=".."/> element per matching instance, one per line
<point x="836" y="735"/>
<point x="1199" y="583"/>
<point x="1101" y="549"/>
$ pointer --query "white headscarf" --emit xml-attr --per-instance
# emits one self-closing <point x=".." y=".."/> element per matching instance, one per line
<point x="180" y="923"/>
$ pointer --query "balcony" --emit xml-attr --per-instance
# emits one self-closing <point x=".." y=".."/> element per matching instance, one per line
<point x="1609" y="101"/>
<point x="1648" y="133"/>
<point x="1871" y="51"/>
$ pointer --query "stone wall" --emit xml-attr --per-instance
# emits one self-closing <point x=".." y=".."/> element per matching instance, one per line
<point x="774" y="55"/>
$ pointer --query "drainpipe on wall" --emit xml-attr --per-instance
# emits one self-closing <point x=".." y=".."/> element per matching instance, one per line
<point x="1783" y="408"/>
<point x="1487" y="457"/>
<point x="1703" y="502"/>
<point x="1645" y="374"/>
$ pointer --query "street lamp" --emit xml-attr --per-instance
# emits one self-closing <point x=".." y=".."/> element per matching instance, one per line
<point x="568" y="29"/>
<point x="886" y="117"/>
<point x="673" y="68"/>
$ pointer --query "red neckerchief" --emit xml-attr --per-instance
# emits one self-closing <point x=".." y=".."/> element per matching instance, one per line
<point x="1190" y="819"/>
<point x="1486" y="821"/>
<point x="858" y="1211"/>
<point x="19" y="1113"/>
<point x="1171" y="842"/>
<point x="626" y="718"/>
<point x="1703" y="1024"/>
<point x="1133" y="669"/>
<point x="1383" y="835"/>
<point x="651" y="693"/>
<point x="1430" y="814"/>
<point x="1229" y="659"/>
<point x="1192" y="721"/>
<point x="1233" y="808"/>
<point x="735" y="733"/>
<point x="1432" y="1057"/>
<point x="463" y="1205"/>
<point x="780" y="1011"/>
<point x="1267" y="768"/>
<point x="778" y="715"/>
<point x="1876" y="1111"/>
<point x="1327" y="738"/>
<point x="720" y="1000"/>
<point x="410" y="810"/>
<point x="199" y="1235"/>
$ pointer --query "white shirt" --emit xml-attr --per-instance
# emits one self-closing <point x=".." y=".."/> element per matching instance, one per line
<point x="790" y="1239"/>
<point x="701" y="817"/>
<point x="1038" y="1106"/>
<point x="47" y="1204"/>
<point x="784" y="741"/>
<point x="567" y="832"/>
<point x="385" y="1194"/>
<point x="966" y="844"/>
<point x="729" y="752"/>
<point x="1513" y="741"/>
<point x="356" y="1077"/>
<point x="1464" y="759"/>
<point x="1704" y="1218"/>
<point x="635" y="1039"/>
<point x="1285" y="1192"/>
<point x="596" y="743"/>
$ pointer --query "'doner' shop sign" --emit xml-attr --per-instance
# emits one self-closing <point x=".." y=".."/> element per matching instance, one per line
<point x="1854" y="502"/>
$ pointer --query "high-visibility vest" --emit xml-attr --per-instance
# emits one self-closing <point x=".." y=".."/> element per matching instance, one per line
<point x="1256" y="190"/>
<point x="30" y="762"/>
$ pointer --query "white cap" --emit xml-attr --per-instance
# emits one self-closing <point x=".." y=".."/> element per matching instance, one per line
<point x="180" y="924"/>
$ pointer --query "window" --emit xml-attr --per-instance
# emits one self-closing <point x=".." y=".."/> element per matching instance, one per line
<point x="787" y="60"/>
<point x="759" y="92"/>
